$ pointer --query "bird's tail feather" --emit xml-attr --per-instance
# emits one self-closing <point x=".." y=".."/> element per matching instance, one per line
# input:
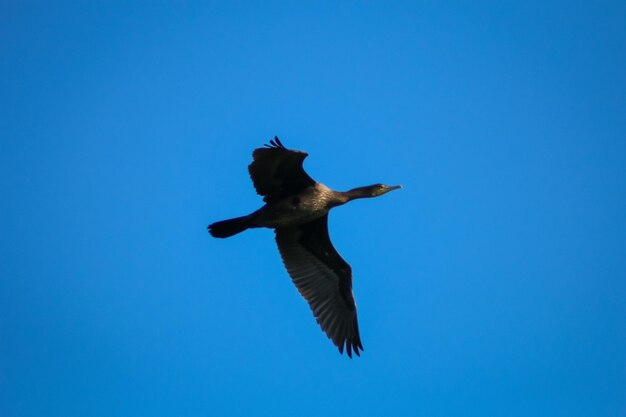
<point x="227" y="228"/>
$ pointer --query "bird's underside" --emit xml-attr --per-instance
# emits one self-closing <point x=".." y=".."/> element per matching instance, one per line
<point x="320" y="274"/>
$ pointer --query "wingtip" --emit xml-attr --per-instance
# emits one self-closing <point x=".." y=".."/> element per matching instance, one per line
<point x="275" y="144"/>
<point x="351" y="347"/>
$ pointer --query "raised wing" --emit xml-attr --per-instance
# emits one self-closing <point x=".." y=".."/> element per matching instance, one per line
<point x="324" y="279"/>
<point x="277" y="171"/>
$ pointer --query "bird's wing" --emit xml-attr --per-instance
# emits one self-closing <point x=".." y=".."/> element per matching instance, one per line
<point x="324" y="279"/>
<point x="277" y="171"/>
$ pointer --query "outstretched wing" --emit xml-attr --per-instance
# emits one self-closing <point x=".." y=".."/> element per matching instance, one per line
<point x="277" y="171"/>
<point x="324" y="279"/>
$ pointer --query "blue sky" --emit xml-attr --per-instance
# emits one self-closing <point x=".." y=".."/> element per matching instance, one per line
<point x="492" y="284"/>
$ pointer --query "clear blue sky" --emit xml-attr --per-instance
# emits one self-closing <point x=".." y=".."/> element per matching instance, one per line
<point x="493" y="284"/>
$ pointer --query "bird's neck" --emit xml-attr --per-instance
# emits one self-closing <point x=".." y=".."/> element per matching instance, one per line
<point x="353" y="194"/>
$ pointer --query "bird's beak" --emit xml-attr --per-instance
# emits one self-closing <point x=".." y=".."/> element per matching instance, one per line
<point x="394" y="187"/>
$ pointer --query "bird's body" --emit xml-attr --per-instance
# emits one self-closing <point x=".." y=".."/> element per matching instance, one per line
<point x="297" y="207"/>
<point x="309" y="204"/>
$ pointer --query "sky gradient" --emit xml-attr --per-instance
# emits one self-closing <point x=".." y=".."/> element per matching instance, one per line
<point x="492" y="284"/>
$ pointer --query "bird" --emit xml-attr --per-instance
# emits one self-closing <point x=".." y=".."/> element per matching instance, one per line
<point x="297" y="207"/>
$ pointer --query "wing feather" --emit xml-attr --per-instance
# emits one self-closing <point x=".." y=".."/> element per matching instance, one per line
<point x="324" y="279"/>
<point x="277" y="172"/>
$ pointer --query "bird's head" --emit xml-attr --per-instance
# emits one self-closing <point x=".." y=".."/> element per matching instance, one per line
<point x="380" y="189"/>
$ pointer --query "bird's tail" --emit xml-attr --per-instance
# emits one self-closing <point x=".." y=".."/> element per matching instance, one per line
<point x="227" y="228"/>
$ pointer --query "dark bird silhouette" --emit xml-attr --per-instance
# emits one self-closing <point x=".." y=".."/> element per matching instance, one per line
<point x="297" y="207"/>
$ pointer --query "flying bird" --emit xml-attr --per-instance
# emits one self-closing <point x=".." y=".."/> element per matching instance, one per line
<point x="296" y="207"/>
